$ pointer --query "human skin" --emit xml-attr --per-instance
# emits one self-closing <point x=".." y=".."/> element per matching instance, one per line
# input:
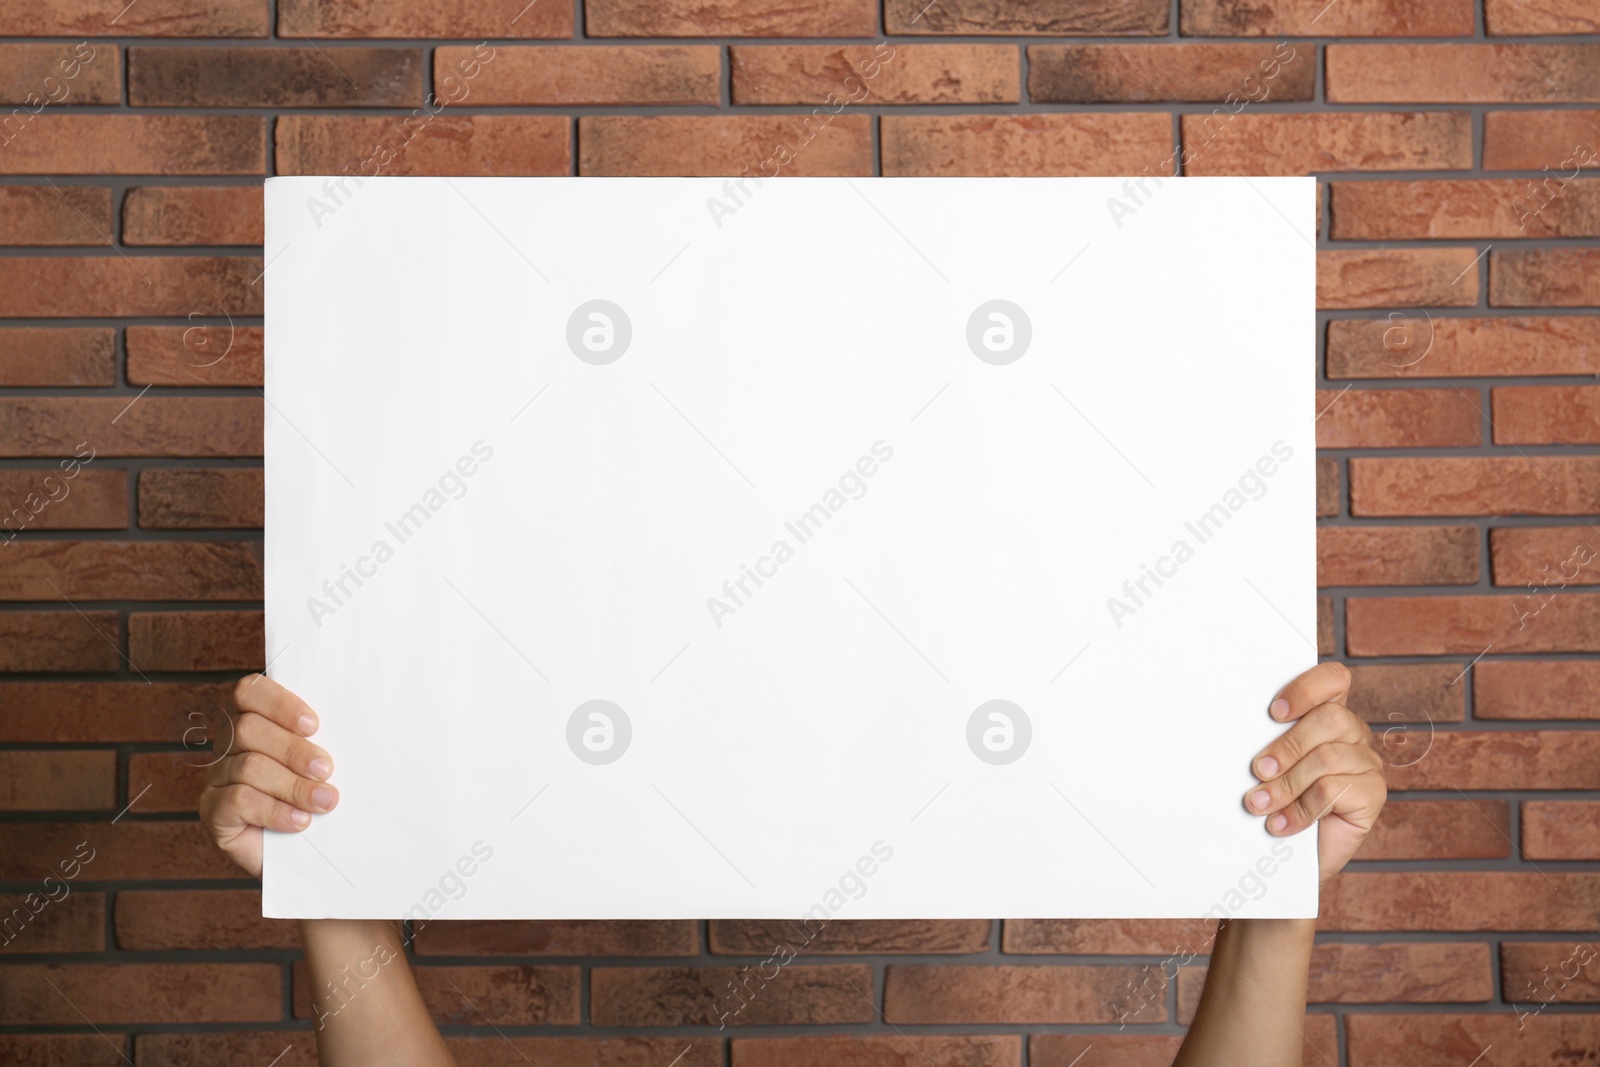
<point x="1323" y="769"/>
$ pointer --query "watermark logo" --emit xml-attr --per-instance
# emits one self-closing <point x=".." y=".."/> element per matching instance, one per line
<point x="999" y="332"/>
<point x="598" y="732"/>
<point x="599" y="332"/>
<point x="998" y="732"/>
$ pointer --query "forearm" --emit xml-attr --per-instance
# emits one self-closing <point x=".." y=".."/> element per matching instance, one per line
<point x="364" y="999"/>
<point x="1252" y="1011"/>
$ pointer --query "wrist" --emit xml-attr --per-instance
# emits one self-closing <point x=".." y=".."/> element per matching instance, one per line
<point x="1265" y="938"/>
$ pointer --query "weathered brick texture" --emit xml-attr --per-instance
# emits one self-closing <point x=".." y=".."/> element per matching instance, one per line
<point x="1457" y="147"/>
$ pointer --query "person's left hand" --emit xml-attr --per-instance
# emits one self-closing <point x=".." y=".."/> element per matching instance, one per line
<point x="1323" y="768"/>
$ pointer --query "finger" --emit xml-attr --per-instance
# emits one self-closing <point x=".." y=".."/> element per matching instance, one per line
<point x="259" y="734"/>
<point x="1323" y="684"/>
<point x="1355" y="797"/>
<point x="1322" y="761"/>
<point x="260" y="694"/>
<point x="1319" y="726"/>
<point x="262" y="772"/>
<point x="232" y="807"/>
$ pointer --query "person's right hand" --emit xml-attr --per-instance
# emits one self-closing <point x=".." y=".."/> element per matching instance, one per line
<point x="272" y="778"/>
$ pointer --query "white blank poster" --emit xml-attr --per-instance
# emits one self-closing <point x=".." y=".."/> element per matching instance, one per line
<point x="873" y="548"/>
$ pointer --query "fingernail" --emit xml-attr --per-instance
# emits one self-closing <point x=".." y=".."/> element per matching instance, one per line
<point x="320" y="768"/>
<point x="1280" y="708"/>
<point x="1260" y="799"/>
<point x="1277" y="822"/>
<point x="1267" y="767"/>
<point x="298" y="817"/>
<point x="308" y="724"/>
<point x="322" y="797"/>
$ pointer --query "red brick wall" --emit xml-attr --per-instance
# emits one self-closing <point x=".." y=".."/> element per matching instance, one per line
<point x="1459" y="277"/>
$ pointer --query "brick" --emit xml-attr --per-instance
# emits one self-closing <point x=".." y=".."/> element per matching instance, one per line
<point x="1550" y="558"/>
<point x="800" y="994"/>
<point x="407" y="145"/>
<point x="46" y="641"/>
<point x="1053" y="17"/>
<point x="1317" y="18"/>
<point x="1531" y="690"/>
<point x="113" y="993"/>
<point x="60" y="73"/>
<point x="164" y="919"/>
<point x="1535" y="140"/>
<point x="1545" y="972"/>
<point x="1544" y="277"/>
<point x="690" y="145"/>
<point x="1327" y="486"/>
<point x="80" y="780"/>
<point x="1228" y="143"/>
<point x="1451" y="1040"/>
<point x="1396" y="418"/>
<point x="1111" y="1050"/>
<point x="63" y="215"/>
<point x="728" y="18"/>
<point x="483" y="996"/>
<point x="48" y="355"/>
<point x="1158" y="73"/>
<point x="1437" y="829"/>
<point x="1414" y="347"/>
<point x="45" y="920"/>
<point x="1008" y="994"/>
<point x="198" y="215"/>
<point x="1325" y="626"/>
<point x="274" y="77"/>
<point x="114" y="712"/>
<point x="158" y="18"/>
<point x="452" y="19"/>
<point x="1396" y="555"/>
<point x="559" y="937"/>
<point x="1434" y="626"/>
<point x="1433" y="973"/>
<point x="1397" y="278"/>
<point x="1505" y="759"/>
<point x="58" y="286"/>
<point x="864" y="74"/>
<point x="132" y="570"/>
<point x="46" y="498"/>
<point x="154" y="426"/>
<point x="53" y="1050"/>
<point x="297" y="1047"/>
<point x="500" y="996"/>
<point x="762" y="937"/>
<point x="1462" y="73"/>
<point x="197" y="640"/>
<point x="1460" y="902"/>
<point x="1398" y="693"/>
<point x="228" y="498"/>
<point x="199" y="354"/>
<point x="1108" y="937"/>
<point x="502" y="1051"/>
<point x="1509" y="17"/>
<point x="1026" y="145"/>
<point x="1547" y="414"/>
<point x="561" y="75"/>
<point x="1511" y="207"/>
<point x="1548" y="485"/>
<point x="1321" y="1045"/>
<point x="934" y="1050"/>
<point x="174" y="779"/>
<point x="1561" y="829"/>
<point x="103" y="145"/>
